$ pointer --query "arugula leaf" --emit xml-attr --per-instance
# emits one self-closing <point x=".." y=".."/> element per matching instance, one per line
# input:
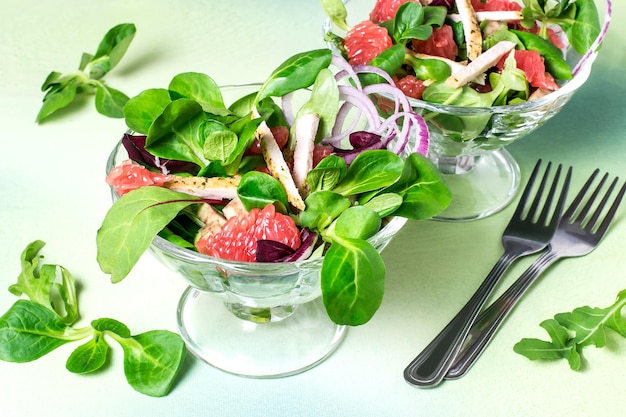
<point x="558" y="348"/>
<point x="131" y="224"/>
<point x="61" y="90"/>
<point x="571" y="332"/>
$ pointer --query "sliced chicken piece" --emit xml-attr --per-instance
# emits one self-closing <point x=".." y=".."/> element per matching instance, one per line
<point x="478" y="66"/>
<point x="216" y="188"/>
<point x="455" y="66"/>
<point x="503" y="16"/>
<point x="233" y="208"/>
<point x="306" y="129"/>
<point x="277" y="166"/>
<point x="212" y="219"/>
<point x="471" y="28"/>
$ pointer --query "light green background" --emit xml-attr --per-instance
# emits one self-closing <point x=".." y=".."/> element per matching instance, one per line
<point x="52" y="188"/>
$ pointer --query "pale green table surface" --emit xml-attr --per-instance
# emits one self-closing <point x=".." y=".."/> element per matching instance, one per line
<point x="52" y="189"/>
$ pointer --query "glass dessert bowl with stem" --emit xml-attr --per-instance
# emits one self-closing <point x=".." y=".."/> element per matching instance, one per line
<point x="467" y="142"/>
<point x="285" y="311"/>
<point x="260" y="320"/>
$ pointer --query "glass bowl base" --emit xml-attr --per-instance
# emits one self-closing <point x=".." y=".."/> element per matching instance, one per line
<point x="481" y="185"/>
<point x="254" y="348"/>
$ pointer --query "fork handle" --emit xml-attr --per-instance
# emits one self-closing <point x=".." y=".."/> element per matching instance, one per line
<point x="492" y="317"/>
<point x="431" y="365"/>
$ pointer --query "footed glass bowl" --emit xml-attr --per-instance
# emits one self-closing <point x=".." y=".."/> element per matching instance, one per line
<point x="467" y="143"/>
<point x="259" y="320"/>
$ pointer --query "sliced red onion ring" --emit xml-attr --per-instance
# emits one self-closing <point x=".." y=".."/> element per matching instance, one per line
<point x="593" y="50"/>
<point x="361" y="69"/>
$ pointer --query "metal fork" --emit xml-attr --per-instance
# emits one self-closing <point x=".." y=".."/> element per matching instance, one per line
<point x="578" y="233"/>
<point x="529" y="231"/>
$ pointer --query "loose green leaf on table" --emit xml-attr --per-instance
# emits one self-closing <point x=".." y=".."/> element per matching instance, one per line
<point x="89" y="357"/>
<point x="152" y="361"/>
<point x="61" y="90"/>
<point x="571" y="332"/>
<point x="40" y="284"/>
<point x="30" y="329"/>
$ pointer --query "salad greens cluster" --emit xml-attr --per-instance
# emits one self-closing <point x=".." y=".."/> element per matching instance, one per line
<point x="189" y="121"/>
<point x="347" y="203"/>
<point x="61" y="89"/>
<point x="578" y="19"/>
<point x="571" y="332"/>
<point x="34" y="327"/>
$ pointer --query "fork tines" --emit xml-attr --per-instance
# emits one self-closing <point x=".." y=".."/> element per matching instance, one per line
<point x="580" y="209"/>
<point x="524" y="211"/>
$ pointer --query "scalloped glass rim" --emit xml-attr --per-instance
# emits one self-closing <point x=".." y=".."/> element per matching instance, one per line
<point x="381" y="238"/>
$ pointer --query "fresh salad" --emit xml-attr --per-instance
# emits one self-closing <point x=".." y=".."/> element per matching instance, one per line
<point x="271" y="178"/>
<point x="478" y="53"/>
